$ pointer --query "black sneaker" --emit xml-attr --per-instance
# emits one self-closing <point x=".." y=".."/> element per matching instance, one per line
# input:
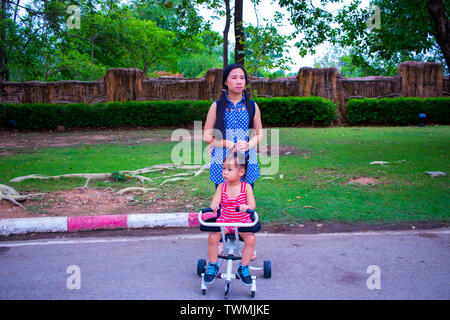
<point x="244" y="274"/>
<point x="211" y="272"/>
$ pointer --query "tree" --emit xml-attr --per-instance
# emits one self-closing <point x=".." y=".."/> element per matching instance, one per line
<point x="341" y="59"/>
<point x="205" y="53"/>
<point x="217" y="6"/>
<point x="407" y="29"/>
<point x="239" y="32"/>
<point x="179" y="16"/>
<point x="441" y="30"/>
<point x="265" y="48"/>
<point x="225" y="33"/>
<point x="32" y="49"/>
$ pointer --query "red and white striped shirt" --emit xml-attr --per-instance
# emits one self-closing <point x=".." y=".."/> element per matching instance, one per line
<point x="228" y="212"/>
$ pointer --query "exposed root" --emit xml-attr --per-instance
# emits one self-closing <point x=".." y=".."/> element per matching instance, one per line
<point x="137" y="174"/>
<point x="131" y="189"/>
<point x="72" y="175"/>
<point x="12" y="195"/>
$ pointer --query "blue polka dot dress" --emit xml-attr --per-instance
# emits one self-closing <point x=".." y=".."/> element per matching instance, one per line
<point x="236" y="128"/>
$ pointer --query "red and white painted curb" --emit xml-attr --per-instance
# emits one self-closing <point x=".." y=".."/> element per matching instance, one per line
<point x="86" y="223"/>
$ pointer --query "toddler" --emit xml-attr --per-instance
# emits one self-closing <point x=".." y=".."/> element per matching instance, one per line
<point x="231" y="194"/>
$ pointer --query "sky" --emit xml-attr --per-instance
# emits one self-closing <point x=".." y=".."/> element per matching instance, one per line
<point x="266" y="9"/>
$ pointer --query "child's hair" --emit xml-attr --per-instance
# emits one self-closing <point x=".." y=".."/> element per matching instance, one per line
<point x="242" y="161"/>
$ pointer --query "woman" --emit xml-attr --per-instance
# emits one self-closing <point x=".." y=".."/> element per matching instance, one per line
<point x="228" y="122"/>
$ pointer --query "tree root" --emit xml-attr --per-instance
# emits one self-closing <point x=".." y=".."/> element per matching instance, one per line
<point x="130" y="189"/>
<point x="134" y="174"/>
<point x="12" y="195"/>
<point x="137" y="174"/>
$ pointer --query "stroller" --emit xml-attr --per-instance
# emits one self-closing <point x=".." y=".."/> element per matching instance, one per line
<point x="231" y="250"/>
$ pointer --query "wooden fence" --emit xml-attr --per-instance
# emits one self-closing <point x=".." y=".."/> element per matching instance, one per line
<point x="414" y="79"/>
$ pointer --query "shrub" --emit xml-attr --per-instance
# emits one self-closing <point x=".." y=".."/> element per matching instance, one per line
<point x="286" y="111"/>
<point x="397" y="111"/>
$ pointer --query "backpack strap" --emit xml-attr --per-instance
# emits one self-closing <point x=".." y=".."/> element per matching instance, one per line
<point x="220" y="115"/>
<point x="251" y="113"/>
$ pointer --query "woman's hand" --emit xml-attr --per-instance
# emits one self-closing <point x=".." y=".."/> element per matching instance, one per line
<point x="229" y="144"/>
<point x="242" y="146"/>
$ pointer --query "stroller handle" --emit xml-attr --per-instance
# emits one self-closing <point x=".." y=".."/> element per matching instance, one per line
<point x="228" y="224"/>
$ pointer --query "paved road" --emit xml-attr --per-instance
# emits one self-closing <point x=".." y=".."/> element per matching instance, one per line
<point x="405" y="265"/>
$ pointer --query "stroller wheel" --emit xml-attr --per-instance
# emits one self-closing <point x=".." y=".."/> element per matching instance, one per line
<point x="204" y="292"/>
<point x="267" y="269"/>
<point x="227" y="289"/>
<point x="201" y="266"/>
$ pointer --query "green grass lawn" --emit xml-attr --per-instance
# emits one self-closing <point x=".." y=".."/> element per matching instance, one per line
<point x="314" y="184"/>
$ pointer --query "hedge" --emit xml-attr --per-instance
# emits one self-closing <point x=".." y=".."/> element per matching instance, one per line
<point x="286" y="111"/>
<point x="397" y="111"/>
<point x="293" y="111"/>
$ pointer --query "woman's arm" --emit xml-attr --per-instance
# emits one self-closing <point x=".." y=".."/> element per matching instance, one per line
<point x="258" y="130"/>
<point x="257" y="126"/>
<point x="208" y="132"/>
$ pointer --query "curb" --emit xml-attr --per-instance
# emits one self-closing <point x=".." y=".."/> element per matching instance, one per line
<point x="89" y="223"/>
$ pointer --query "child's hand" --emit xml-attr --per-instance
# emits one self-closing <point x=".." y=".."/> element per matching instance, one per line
<point x="243" y="208"/>
<point x="215" y="205"/>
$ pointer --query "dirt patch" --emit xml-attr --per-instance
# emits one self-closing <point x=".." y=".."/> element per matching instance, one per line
<point x="282" y="151"/>
<point x="364" y="181"/>
<point x="314" y="227"/>
<point x="92" y="202"/>
<point x="18" y="142"/>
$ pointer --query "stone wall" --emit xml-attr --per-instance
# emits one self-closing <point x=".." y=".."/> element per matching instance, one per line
<point x="414" y="79"/>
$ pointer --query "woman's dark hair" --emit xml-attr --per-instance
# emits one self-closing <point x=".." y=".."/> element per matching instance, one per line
<point x="242" y="161"/>
<point x="222" y="103"/>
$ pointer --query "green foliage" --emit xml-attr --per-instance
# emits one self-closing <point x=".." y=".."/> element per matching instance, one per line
<point x="118" y="177"/>
<point x="289" y="111"/>
<point x="112" y="114"/>
<point x="293" y="111"/>
<point x="204" y="54"/>
<point x="405" y="31"/>
<point x="342" y="59"/>
<point x="153" y="35"/>
<point x="265" y="49"/>
<point x="397" y="111"/>
<point x="178" y="16"/>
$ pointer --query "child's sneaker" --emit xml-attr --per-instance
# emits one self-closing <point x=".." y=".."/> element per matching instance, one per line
<point x="211" y="272"/>
<point x="244" y="274"/>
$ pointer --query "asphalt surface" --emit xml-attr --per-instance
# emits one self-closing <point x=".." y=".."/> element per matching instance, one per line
<point x="395" y="264"/>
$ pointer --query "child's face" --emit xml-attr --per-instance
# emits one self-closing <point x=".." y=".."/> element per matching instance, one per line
<point x="236" y="80"/>
<point x="232" y="172"/>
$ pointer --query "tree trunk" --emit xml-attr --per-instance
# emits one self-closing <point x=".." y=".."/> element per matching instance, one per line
<point x="4" y="72"/>
<point x="442" y="27"/>
<point x="239" y="32"/>
<point x="92" y="59"/>
<point x="225" y="33"/>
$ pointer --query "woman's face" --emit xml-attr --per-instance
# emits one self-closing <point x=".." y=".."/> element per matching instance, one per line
<point x="236" y="80"/>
